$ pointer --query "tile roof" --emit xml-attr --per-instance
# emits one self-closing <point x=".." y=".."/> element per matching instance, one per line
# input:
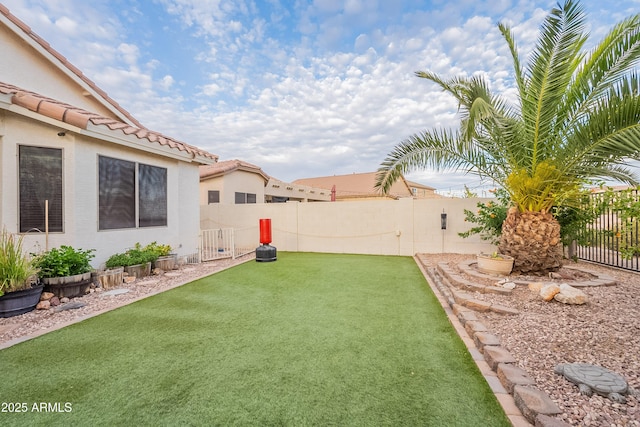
<point x="356" y="185"/>
<point x="63" y="62"/>
<point x="81" y="118"/>
<point x="226" y="166"/>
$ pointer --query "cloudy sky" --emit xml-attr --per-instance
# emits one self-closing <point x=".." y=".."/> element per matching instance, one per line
<point x="301" y="88"/>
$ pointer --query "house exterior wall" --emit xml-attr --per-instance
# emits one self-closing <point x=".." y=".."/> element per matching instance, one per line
<point x="385" y="227"/>
<point x="80" y="189"/>
<point x="24" y="66"/>
<point x="230" y="183"/>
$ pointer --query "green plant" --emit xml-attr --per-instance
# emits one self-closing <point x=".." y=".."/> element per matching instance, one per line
<point x="157" y="249"/>
<point x="64" y="261"/>
<point x="16" y="268"/>
<point x="574" y="116"/>
<point x="134" y="256"/>
<point x="489" y="218"/>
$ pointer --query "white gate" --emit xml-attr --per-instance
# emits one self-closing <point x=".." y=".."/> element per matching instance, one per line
<point x="224" y="243"/>
<point x="216" y="244"/>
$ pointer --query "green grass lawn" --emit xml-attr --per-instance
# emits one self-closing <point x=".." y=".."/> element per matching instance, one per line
<point x="311" y="339"/>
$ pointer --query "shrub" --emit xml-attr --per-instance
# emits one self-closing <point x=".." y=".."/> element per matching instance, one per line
<point x="489" y="218"/>
<point x="136" y="255"/>
<point x="64" y="261"/>
<point x="16" y="268"/>
<point x="159" y="250"/>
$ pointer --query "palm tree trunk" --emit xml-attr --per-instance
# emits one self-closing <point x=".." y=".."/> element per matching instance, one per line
<point x="533" y="239"/>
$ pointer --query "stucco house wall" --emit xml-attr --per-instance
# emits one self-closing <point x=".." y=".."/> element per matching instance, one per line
<point x="46" y="102"/>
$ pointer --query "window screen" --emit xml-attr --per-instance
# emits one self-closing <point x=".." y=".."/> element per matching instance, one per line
<point x="116" y="194"/>
<point x="241" y="198"/>
<point x="213" y="196"/>
<point x="40" y="179"/>
<point x="251" y="198"/>
<point x="152" y="195"/>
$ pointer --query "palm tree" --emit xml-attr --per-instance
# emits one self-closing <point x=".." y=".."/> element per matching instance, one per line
<point x="576" y="119"/>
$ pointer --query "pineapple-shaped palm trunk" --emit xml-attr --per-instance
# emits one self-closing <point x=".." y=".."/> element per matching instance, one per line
<point x="533" y="240"/>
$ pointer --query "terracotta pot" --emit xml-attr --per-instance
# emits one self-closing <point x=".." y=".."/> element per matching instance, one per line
<point x="501" y="265"/>
<point x="20" y="302"/>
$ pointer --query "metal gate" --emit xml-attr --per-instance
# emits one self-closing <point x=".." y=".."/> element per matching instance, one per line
<point x="223" y="243"/>
<point x="216" y="244"/>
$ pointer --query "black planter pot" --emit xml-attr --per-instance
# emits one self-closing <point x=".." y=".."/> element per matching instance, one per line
<point x="20" y="302"/>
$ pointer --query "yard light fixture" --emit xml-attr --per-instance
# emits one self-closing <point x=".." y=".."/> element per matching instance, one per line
<point x="443" y="220"/>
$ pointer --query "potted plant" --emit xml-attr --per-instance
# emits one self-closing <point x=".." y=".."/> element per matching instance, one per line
<point x="135" y="261"/>
<point x="65" y="271"/>
<point x="19" y="288"/>
<point x="165" y="260"/>
<point x="495" y="263"/>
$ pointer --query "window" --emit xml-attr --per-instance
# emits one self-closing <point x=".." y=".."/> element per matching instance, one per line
<point x="242" y="198"/>
<point x="117" y="194"/>
<point x="213" y="196"/>
<point x="40" y="179"/>
<point x="152" y="196"/>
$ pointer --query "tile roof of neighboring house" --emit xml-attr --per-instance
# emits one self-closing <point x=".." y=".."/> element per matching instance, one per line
<point x="356" y="185"/>
<point x="226" y="166"/>
<point x="63" y="62"/>
<point x="418" y="185"/>
<point x="81" y="118"/>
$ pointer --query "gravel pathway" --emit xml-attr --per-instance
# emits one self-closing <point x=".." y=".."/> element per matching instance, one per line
<point x="605" y="332"/>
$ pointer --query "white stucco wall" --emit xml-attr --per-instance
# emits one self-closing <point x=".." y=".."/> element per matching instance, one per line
<point x="80" y="185"/>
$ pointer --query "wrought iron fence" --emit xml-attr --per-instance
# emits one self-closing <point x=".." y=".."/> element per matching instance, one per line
<point x="612" y="236"/>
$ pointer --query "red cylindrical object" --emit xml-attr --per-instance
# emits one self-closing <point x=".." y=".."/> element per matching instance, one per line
<point x="265" y="231"/>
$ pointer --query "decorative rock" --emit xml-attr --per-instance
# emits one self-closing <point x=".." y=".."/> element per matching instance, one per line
<point x="570" y="295"/>
<point x="549" y="291"/>
<point x="54" y="301"/>
<point x="72" y="305"/>
<point x="177" y="274"/>
<point x="511" y="376"/>
<point x="43" y="305"/>
<point x="64" y="300"/>
<point x="114" y="292"/>
<point x="554" y="275"/>
<point x="535" y="286"/>
<point x="495" y="354"/>
<point x="509" y="285"/>
<point x="532" y="402"/>
<point x="547" y="421"/>
<point x="157" y="272"/>
<point x="129" y="279"/>
<point x="46" y="296"/>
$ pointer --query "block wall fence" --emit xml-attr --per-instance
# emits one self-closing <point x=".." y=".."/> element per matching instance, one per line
<point x="382" y="227"/>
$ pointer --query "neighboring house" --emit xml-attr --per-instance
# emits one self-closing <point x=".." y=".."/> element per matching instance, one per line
<point x="279" y="191"/>
<point x="421" y="191"/>
<point x="357" y="186"/>
<point x="108" y="181"/>
<point x="232" y="182"/>
<point x="240" y="182"/>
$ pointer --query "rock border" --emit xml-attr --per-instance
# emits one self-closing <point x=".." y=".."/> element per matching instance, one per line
<point x="513" y="387"/>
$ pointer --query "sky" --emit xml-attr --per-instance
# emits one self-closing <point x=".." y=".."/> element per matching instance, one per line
<point x="301" y="88"/>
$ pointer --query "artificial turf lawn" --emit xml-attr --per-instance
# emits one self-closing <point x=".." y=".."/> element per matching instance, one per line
<point x="311" y="339"/>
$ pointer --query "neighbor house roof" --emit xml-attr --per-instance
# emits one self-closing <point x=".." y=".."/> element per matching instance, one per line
<point x="29" y="36"/>
<point x="418" y="185"/>
<point x="12" y="97"/>
<point x="356" y="185"/>
<point x="228" y="166"/>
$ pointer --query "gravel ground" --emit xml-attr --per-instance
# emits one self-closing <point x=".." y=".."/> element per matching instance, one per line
<point x="36" y="322"/>
<point x="605" y="331"/>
